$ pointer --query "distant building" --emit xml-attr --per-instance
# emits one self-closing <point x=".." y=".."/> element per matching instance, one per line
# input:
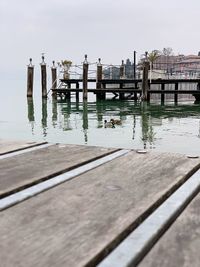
<point x="113" y="72"/>
<point x="187" y="65"/>
<point x="176" y="65"/>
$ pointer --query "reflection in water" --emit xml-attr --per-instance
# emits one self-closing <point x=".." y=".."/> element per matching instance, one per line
<point x="99" y="109"/>
<point x="147" y="128"/>
<point x="44" y="116"/>
<point x="134" y="125"/>
<point x="66" y="111"/>
<point x="85" y="121"/>
<point x="54" y="112"/>
<point x="31" y="116"/>
<point x="142" y="125"/>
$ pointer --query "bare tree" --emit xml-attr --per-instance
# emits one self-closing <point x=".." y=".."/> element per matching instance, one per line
<point x="167" y="51"/>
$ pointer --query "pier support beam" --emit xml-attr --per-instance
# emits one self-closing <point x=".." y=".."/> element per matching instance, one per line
<point x="43" y="78"/>
<point x="122" y="76"/>
<point x="30" y="75"/>
<point x="77" y="93"/>
<point x="176" y="94"/>
<point x="134" y="65"/>
<point x="85" y="78"/>
<point x="162" y="94"/>
<point x="145" y="84"/>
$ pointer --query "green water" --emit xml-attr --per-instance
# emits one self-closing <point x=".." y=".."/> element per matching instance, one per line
<point x="169" y="127"/>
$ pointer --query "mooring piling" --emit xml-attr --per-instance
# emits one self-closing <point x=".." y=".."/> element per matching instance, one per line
<point x="54" y="78"/>
<point x="77" y="92"/>
<point x="122" y="76"/>
<point x="134" y="64"/>
<point x="145" y="83"/>
<point x="162" y="94"/>
<point x="30" y="75"/>
<point x="176" y="95"/>
<point x="122" y="70"/>
<point x="43" y="78"/>
<point x="85" y="78"/>
<point x="54" y="75"/>
<point x="100" y="95"/>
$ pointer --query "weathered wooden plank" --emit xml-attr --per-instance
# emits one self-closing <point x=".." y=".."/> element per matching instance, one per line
<point x="11" y="146"/>
<point x="23" y="170"/>
<point x="74" y="223"/>
<point x="179" y="246"/>
<point x="133" y="248"/>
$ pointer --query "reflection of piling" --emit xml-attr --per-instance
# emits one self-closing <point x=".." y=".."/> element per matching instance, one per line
<point x="85" y="78"/>
<point x="31" y="116"/>
<point x="44" y="116"/>
<point x="145" y="84"/>
<point x="30" y="75"/>
<point x="54" y="112"/>
<point x="54" y="78"/>
<point x="85" y="120"/>
<point x="43" y="78"/>
<point x="145" y="124"/>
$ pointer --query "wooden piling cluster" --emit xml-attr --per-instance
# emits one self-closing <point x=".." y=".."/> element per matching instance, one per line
<point x="30" y="78"/>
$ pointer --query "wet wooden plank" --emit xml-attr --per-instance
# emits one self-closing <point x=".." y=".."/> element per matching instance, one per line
<point x="8" y="146"/>
<point x="73" y="223"/>
<point x="179" y="246"/>
<point x="25" y="169"/>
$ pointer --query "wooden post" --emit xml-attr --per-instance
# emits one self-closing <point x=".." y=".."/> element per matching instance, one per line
<point x="134" y="65"/>
<point x="176" y="95"/>
<point x="77" y="93"/>
<point x="100" y="95"/>
<point x="43" y="78"/>
<point x="30" y="75"/>
<point x="145" y="84"/>
<point x="122" y="70"/>
<point x="68" y="94"/>
<point x="85" y="78"/>
<point x="54" y="79"/>
<point x="162" y="93"/>
<point x="54" y="76"/>
<point x="122" y="76"/>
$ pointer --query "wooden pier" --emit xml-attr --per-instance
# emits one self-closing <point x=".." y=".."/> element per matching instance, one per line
<point x="132" y="88"/>
<point x="71" y="205"/>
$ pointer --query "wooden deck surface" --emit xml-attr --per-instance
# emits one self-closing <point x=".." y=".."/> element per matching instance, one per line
<point x="11" y="146"/>
<point x="29" y="168"/>
<point x="179" y="246"/>
<point x="77" y="222"/>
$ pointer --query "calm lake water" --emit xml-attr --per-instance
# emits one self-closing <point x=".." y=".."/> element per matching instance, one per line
<point x="169" y="127"/>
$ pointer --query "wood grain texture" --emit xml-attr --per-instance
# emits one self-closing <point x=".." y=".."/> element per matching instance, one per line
<point x="179" y="246"/>
<point x="11" y="146"/>
<point x="73" y="223"/>
<point x="25" y="169"/>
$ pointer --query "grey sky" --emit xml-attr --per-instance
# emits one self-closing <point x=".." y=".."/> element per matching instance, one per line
<point x="112" y="30"/>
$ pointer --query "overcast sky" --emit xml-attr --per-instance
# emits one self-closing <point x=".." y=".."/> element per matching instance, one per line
<point x="110" y="29"/>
